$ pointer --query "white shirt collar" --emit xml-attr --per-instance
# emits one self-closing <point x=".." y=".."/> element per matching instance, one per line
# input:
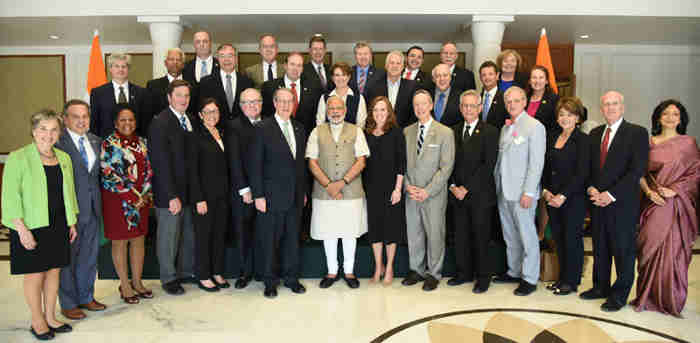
<point x="223" y="75"/>
<point x="288" y="82"/>
<point x="209" y="60"/>
<point x="614" y="125"/>
<point x="426" y="125"/>
<point x="452" y="68"/>
<point x="117" y="85"/>
<point x="281" y="121"/>
<point x="171" y="78"/>
<point x="317" y="65"/>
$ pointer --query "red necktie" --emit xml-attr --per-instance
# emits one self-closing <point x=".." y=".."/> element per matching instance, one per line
<point x="408" y="75"/>
<point x="604" y="148"/>
<point x="296" y="99"/>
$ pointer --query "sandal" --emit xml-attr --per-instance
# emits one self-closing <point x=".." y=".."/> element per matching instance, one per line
<point x="134" y="299"/>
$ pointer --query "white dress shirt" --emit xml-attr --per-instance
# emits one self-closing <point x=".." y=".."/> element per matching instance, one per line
<point x="413" y="74"/>
<point x="288" y="84"/>
<point x="426" y="127"/>
<point x="392" y="89"/>
<point x="233" y="82"/>
<point x="492" y="94"/>
<point x="613" y="130"/>
<point x="266" y="66"/>
<point x="292" y="139"/>
<point x="471" y="125"/>
<point x="116" y="90"/>
<point x="198" y="67"/>
<point x="179" y="116"/>
<point x="171" y="78"/>
<point x="88" y="147"/>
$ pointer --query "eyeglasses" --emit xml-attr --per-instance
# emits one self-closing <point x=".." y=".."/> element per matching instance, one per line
<point x="284" y="102"/>
<point x="251" y="102"/>
<point x="336" y="108"/>
<point x="214" y="111"/>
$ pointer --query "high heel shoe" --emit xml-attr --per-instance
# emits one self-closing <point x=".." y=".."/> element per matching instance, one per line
<point x="143" y="295"/>
<point x="134" y="299"/>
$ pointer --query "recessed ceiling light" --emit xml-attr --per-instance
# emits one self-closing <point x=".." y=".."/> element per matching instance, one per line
<point x="54" y="37"/>
<point x="584" y="36"/>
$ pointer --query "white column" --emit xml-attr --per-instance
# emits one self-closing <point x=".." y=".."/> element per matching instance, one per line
<point x="166" y="33"/>
<point x="487" y="35"/>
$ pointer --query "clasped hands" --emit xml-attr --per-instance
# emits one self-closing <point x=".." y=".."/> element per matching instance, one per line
<point x="658" y="196"/>
<point x="459" y="192"/>
<point x="334" y="189"/>
<point x="553" y="200"/>
<point x="600" y="199"/>
<point x="416" y="193"/>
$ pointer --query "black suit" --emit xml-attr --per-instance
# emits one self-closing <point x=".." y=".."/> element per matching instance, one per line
<point x="450" y="115"/>
<point x="497" y="111"/>
<point x="475" y="159"/>
<point x="282" y="180"/>
<point x="308" y="103"/>
<point x="566" y="172"/>
<point x="189" y="74"/>
<point x="103" y="103"/>
<point x="545" y="112"/>
<point x="158" y="91"/>
<point x="310" y="73"/>
<point x="403" y="108"/>
<point x="462" y="79"/>
<point x="213" y="86"/>
<point x="373" y="74"/>
<point x="614" y="226"/>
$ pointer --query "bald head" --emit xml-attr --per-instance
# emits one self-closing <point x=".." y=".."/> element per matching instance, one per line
<point x="251" y="103"/>
<point x="612" y="105"/>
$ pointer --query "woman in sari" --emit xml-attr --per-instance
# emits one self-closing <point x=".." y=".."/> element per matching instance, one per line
<point x="668" y="221"/>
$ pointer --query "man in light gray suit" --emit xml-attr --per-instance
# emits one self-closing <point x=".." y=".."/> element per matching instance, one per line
<point x="430" y="157"/>
<point x="77" y="284"/>
<point x="518" y="170"/>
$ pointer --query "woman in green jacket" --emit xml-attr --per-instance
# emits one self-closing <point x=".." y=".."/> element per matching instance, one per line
<point x="39" y="205"/>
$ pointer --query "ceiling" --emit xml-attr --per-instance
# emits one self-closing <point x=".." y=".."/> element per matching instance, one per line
<point x="122" y="30"/>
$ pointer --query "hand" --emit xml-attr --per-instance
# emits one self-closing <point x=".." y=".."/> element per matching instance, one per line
<point x="547" y="195"/>
<point x="73" y="233"/>
<point x="247" y="198"/>
<point x="525" y="201"/>
<point x="656" y="198"/>
<point x="395" y="196"/>
<point x="419" y="194"/>
<point x="334" y="188"/>
<point x="592" y="191"/>
<point x="462" y="192"/>
<point x="338" y="196"/>
<point x="140" y="203"/>
<point x="27" y="239"/>
<point x="555" y="200"/>
<point x="175" y="206"/>
<point x="202" y="207"/>
<point x="667" y="192"/>
<point x="602" y="199"/>
<point x="261" y="204"/>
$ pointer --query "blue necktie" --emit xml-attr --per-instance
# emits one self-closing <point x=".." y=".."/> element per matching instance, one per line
<point x="487" y="105"/>
<point x="183" y="123"/>
<point x="204" y="72"/>
<point x="83" y="152"/>
<point x="439" y="106"/>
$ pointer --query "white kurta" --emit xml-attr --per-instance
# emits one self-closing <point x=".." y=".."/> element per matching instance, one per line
<point x="338" y="218"/>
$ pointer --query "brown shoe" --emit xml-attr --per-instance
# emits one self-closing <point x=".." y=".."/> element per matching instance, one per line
<point x="94" y="305"/>
<point x="73" y="313"/>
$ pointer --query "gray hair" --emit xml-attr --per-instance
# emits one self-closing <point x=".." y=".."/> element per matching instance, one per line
<point x="178" y="50"/>
<point x="43" y="115"/>
<point x="515" y="89"/>
<point x="118" y="57"/>
<point x="469" y="92"/>
<point x="395" y="53"/>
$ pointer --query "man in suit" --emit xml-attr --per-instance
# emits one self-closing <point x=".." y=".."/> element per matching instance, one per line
<point x="473" y="193"/>
<point x="620" y="154"/>
<point x="268" y="69"/>
<point x="315" y="70"/>
<point x="494" y="107"/>
<point x="414" y="61"/>
<point x="243" y="208"/>
<point x="278" y="180"/>
<point x="77" y="284"/>
<point x="204" y="64"/>
<point x="306" y="93"/>
<point x="105" y="98"/>
<point x="430" y="158"/>
<point x="363" y="72"/>
<point x="158" y="88"/>
<point x="518" y="170"/>
<point x="225" y="85"/>
<point x="445" y="97"/>
<point x="399" y="91"/>
<point x="168" y="137"/>
<point x="462" y="79"/>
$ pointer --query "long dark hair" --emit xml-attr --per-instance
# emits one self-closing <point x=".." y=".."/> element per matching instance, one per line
<point x="660" y="108"/>
<point x="547" y="88"/>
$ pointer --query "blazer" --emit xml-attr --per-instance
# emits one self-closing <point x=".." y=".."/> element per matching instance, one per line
<point x="310" y="73"/>
<point x="462" y="79"/>
<point x="569" y="175"/>
<point x="255" y="73"/>
<point x="24" y="188"/>
<point x="404" y="99"/>
<point x="432" y="168"/>
<point x="167" y="148"/>
<point x="189" y="75"/>
<point x="103" y="104"/>
<point x="308" y="104"/>
<point x="521" y="149"/>
<point x="545" y="112"/>
<point x="238" y="142"/>
<point x="475" y="159"/>
<point x="87" y="182"/>
<point x="497" y="112"/>
<point x="158" y="91"/>
<point x="213" y="86"/>
<point x="373" y="74"/>
<point x="450" y="115"/>
<point x="274" y="173"/>
<point x="424" y="81"/>
<point x="209" y="170"/>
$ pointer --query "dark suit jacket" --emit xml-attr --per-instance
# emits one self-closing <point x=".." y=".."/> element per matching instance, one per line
<point x="497" y="112"/>
<point x="404" y="100"/>
<point x="87" y="182"/>
<point x="545" y="113"/>
<point x="239" y="141"/>
<point x="103" y="104"/>
<point x="311" y="74"/>
<point x="209" y="170"/>
<point x="475" y="160"/>
<point x="213" y="86"/>
<point x="167" y="149"/>
<point x="308" y="104"/>
<point x="569" y="175"/>
<point x="462" y="79"/>
<point x="373" y="74"/>
<point x="274" y="173"/>
<point x="189" y="75"/>
<point x="450" y="115"/>
<point x="158" y="91"/>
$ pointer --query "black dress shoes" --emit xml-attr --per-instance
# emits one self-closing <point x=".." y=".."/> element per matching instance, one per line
<point x="593" y="293"/>
<point x="242" y="282"/>
<point x="270" y="292"/>
<point x="352" y="282"/>
<point x="173" y="288"/>
<point x="412" y="278"/>
<point x="458" y="280"/>
<point x="207" y="289"/>
<point x="430" y="283"/>
<point x="612" y="305"/>
<point x="481" y="285"/>
<point x="65" y="328"/>
<point x="296" y="287"/>
<point x="564" y="289"/>
<point x="328" y="281"/>
<point x="505" y="278"/>
<point x="525" y="288"/>
<point x="48" y="335"/>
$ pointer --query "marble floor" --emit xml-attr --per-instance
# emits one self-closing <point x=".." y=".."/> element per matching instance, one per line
<point x="372" y="313"/>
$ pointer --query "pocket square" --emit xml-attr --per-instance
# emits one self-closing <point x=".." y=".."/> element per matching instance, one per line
<point x="519" y="140"/>
<point x="433" y="145"/>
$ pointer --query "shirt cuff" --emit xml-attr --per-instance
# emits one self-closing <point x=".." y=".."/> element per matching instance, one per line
<point x="611" y="196"/>
<point x="243" y="191"/>
<point x="529" y="194"/>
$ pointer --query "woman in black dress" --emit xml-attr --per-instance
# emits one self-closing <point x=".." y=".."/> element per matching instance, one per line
<point x="383" y="180"/>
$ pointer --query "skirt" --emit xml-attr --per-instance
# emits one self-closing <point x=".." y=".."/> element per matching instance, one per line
<point x="52" y="250"/>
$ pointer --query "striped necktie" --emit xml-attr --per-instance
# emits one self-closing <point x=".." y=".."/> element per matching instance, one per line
<point x="420" y="138"/>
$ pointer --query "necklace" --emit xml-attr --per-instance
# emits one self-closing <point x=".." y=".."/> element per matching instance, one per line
<point x="52" y="156"/>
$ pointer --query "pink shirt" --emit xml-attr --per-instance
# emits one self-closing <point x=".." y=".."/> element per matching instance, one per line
<point x="532" y="107"/>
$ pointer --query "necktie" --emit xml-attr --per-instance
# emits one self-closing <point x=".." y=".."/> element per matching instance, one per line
<point x="270" y="76"/>
<point x="408" y="75"/>
<point x="204" y="71"/>
<point x="487" y="106"/>
<point x="604" y="148"/>
<point x="439" y="106"/>
<point x="420" y="138"/>
<point x="466" y="133"/>
<point x="122" y="96"/>
<point x="83" y="152"/>
<point x="296" y="99"/>
<point x="183" y="123"/>
<point x="361" y="81"/>
<point x="287" y="135"/>
<point x="323" y="78"/>
<point x="229" y="93"/>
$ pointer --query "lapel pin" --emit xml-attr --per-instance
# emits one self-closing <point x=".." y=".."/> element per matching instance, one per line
<point x="476" y="131"/>
<point x="544" y="101"/>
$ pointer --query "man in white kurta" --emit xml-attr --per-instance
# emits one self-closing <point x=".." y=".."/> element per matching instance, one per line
<point x="336" y="151"/>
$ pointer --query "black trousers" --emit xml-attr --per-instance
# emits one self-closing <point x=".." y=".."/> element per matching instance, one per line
<point x="210" y="237"/>
<point x="245" y="237"/>
<point x="279" y="244"/>
<point x="567" y="230"/>
<point x="472" y="234"/>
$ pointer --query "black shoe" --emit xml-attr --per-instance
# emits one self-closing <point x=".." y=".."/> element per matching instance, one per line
<point x="65" y="328"/>
<point x="242" y="282"/>
<point x="352" y="282"/>
<point x="48" y="335"/>
<point x="296" y="287"/>
<point x="224" y="284"/>
<point x="189" y="279"/>
<point x="270" y="292"/>
<point x="458" y="280"/>
<point x="611" y="305"/>
<point x="481" y="285"/>
<point x="208" y="289"/>
<point x="525" y="289"/>
<point x="173" y="288"/>
<point x="430" y="283"/>
<point x="328" y="281"/>
<point x="553" y="286"/>
<point x="593" y="293"/>
<point x="412" y="279"/>
<point x="564" y="289"/>
<point x="505" y="278"/>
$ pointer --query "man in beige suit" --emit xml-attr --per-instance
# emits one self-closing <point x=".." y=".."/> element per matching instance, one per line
<point x="268" y="69"/>
<point x="430" y="156"/>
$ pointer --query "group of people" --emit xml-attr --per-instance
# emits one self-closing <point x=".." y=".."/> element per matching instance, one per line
<point x="362" y="150"/>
